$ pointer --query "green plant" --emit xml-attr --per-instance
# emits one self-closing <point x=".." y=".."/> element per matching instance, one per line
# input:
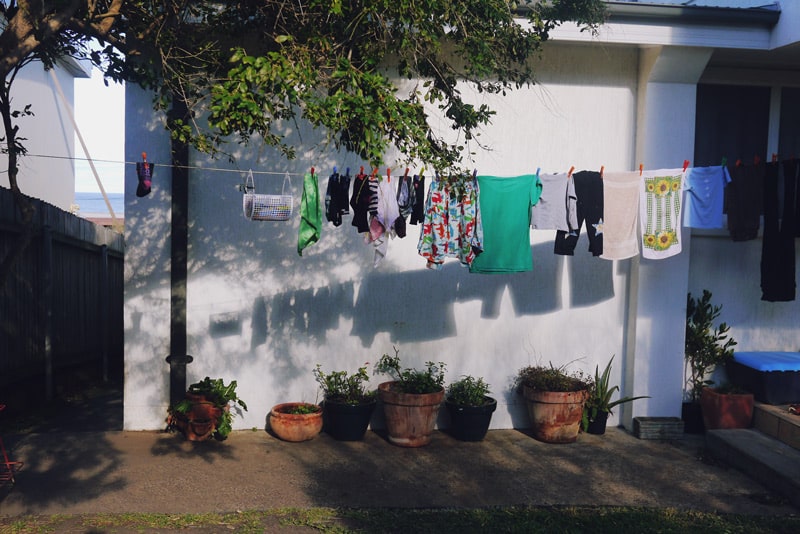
<point x="550" y="378"/>
<point x="301" y="409"/>
<point x="429" y="380"/>
<point x="468" y="391"/>
<point x="343" y="388"/>
<point x="220" y="395"/>
<point x="706" y="346"/>
<point x="600" y="394"/>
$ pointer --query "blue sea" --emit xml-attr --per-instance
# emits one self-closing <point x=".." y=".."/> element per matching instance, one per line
<point x="93" y="203"/>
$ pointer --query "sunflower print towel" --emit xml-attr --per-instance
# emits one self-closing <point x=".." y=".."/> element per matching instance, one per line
<point x="660" y="212"/>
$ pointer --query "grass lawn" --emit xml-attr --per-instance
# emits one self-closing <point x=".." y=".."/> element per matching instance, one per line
<point x="494" y="520"/>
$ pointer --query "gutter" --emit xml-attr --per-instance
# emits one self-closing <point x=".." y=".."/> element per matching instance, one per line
<point x="635" y="11"/>
<point x="767" y="15"/>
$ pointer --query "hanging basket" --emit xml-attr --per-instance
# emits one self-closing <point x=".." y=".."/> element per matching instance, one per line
<point x="260" y="207"/>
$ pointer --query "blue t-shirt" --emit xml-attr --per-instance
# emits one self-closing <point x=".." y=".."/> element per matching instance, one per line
<point x="705" y="190"/>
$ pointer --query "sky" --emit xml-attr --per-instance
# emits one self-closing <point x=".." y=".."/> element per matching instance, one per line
<point x="100" y="114"/>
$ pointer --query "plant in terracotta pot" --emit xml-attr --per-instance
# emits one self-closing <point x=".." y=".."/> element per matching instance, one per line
<point x="555" y="400"/>
<point x="205" y="411"/>
<point x="470" y="407"/>
<point x="599" y="404"/>
<point x="411" y="400"/>
<point x="295" y="421"/>
<point x="707" y="346"/>
<point x="726" y="406"/>
<point x="348" y="403"/>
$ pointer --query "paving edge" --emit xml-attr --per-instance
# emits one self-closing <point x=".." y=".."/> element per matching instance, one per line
<point x="763" y="458"/>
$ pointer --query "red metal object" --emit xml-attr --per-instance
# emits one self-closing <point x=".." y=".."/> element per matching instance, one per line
<point x="7" y="467"/>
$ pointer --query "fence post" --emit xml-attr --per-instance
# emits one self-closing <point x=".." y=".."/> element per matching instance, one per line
<point x="47" y="309"/>
<point x="105" y="292"/>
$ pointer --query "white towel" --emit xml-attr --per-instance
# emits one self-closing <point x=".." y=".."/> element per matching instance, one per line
<point x="620" y="215"/>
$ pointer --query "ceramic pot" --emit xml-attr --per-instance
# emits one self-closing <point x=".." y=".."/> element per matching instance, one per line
<point x="347" y="422"/>
<point x="726" y="410"/>
<point x="295" y="427"/>
<point x="410" y="417"/>
<point x="555" y="415"/>
<point x="470" y="423"/>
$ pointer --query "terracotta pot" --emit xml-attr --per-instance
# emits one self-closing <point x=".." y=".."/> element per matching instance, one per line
<point x="410" y="417"/>
<point x="295" y="427"/>
<point x="555" y="415"/>
<point x="200" y="421"/>
<point x="470" y="423"/>
<point x="726" y="410"/>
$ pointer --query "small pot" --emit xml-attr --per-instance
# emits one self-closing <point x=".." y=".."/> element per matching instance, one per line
<point x="470" y="423"/>
<point x="295" y="427"/>
<point x="598" y="424"/>
<point x="347" y="422"/>
<point x="410" y="417"/>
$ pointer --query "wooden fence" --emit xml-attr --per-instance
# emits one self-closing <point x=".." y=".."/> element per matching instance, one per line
<point x="61" y="307"/>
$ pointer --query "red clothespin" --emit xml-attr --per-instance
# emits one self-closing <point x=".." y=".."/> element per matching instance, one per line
<point x="312" y="171"/>
<point x="388" y="175"/>
<point x="685" y="165"/>
<point x="374" y="173"/>
<point x="602" y="168"/>
<point x="738" y="163"/>
<point x="361" y="172"/>
<point x="641" y="168"/>
<point x="774" y="157"/>
<point x="569" y="174"/>
<point x="756" y="159"/>
<point x="406" y="174"/>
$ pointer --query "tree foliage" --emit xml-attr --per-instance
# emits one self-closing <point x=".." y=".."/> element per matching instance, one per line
<point x="255" y="67"/>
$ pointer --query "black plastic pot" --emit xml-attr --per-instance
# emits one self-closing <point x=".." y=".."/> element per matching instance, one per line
<point x="598" y="424"/>
<point x="692" y="415"/>
<point x="470" y="423"/>
<point x="346" y="422"/>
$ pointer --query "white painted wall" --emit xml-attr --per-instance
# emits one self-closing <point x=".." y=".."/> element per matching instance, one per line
<point x="331" y="306"/>
<point x="47" y="172"/>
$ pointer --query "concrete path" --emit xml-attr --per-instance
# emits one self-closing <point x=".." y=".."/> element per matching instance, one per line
<point x="91" y="472"/>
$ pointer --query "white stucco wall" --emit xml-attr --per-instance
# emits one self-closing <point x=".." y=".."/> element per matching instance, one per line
<point x="264" y="316"/>
<point x="47" y="172"/>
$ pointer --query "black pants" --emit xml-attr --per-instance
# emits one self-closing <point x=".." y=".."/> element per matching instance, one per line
<point x="777" y="251"/>
<point x="589" y="208"/>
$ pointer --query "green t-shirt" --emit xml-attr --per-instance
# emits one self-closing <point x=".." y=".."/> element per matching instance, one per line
<point x="505" y="211"/>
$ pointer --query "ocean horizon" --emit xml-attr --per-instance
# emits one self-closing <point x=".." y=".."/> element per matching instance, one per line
<point x="92" y="203"/>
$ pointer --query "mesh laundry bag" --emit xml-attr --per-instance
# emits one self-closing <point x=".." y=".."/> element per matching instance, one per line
<point x="262" y="207"/>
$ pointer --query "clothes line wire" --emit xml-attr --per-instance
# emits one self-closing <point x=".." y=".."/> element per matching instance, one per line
<point x="168" y="165"/>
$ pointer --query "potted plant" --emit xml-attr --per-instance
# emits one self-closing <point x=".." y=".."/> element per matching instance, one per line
<point x="348" y="403"/>
<point x="205" y="410"/>
<point x="411" y="400"/>
<point x="555" y="400"/>
<point x="727" y="406"/>
<point x="599" y="404"/>
<point x="706" y="348"/>
<point x="295" y="421"/>
<point x="470" y="407"/>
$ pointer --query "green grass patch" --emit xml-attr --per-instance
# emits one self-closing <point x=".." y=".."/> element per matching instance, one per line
<point x="461" y="521"/>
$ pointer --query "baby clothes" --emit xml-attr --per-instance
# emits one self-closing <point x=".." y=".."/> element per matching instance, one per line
<point x="620" y="215"/>
<point x="310" y="214"/>
<point x="505" y="208"/>
<point x="452" y="225"/>
<point x="705" y="191"/>
<point x="589" y="208"/>
<point x="556" y="209"/>
<point x="778" y="282"/>
<point x="359" y="201"/>
<point x="336" y="201"/>
<point x="382" y="223"/>
<point x="418" y="207"/>
<point x="744" y="200"/>
<point x="144" y="172"/>
<point x="660" y="213"/>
